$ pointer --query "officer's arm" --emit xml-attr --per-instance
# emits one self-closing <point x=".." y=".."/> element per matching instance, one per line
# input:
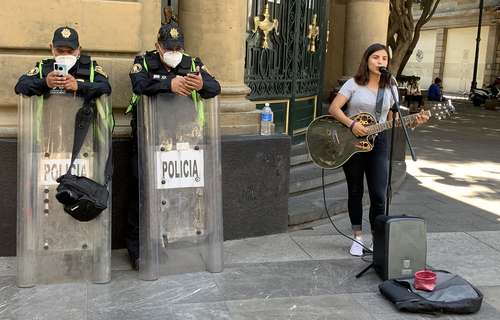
<point x="142" y="83"/>
<point x="100" y="85"/>
<point x="30" y="84"/>
<point x="211" y="87"/>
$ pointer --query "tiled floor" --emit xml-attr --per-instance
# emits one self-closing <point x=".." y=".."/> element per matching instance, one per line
<point x="308" y="274"/>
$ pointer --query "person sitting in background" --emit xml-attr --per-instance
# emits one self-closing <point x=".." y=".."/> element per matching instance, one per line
<point x="413" y="94"/>
<point x="435" y="92"/>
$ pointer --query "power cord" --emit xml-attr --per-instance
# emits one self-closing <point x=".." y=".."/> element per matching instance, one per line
<point x="366" y="249"/>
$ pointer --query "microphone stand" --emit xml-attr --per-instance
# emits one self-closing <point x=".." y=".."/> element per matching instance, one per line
<point x="396" y="110"/>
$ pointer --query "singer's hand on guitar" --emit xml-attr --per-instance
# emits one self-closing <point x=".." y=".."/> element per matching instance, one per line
<point x="359" y="130"/>
<point x="422" y="118"/>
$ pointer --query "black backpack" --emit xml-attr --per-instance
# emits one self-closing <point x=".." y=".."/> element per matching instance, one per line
<point x="452" y="294"/>
<point x="83" y="198"/>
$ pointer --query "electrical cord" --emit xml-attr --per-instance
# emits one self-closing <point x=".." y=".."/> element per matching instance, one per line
<point x="369" y="252"/>
<point x="366" y="251"/>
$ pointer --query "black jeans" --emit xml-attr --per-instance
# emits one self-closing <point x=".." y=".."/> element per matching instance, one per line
<point x="373" y="165"/>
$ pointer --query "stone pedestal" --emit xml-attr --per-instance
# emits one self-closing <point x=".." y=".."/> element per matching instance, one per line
<point x="255" y="184"/>
<point x="215" y="31"/>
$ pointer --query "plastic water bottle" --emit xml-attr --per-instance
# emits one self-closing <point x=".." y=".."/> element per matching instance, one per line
<point x="266" y="119"/>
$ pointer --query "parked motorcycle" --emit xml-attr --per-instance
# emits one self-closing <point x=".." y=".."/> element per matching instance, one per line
<point x="481" y="96"/>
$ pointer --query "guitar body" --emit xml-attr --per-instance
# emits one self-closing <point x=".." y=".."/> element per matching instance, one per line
<point x="331" y="144"/>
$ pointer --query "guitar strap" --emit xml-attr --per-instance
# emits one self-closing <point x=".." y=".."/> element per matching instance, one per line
<point x="379" y="103"/>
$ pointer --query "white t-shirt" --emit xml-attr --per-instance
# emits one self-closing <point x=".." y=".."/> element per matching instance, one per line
<point x="363" y="99"/>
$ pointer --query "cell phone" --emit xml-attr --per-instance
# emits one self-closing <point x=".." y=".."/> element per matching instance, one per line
<point x="196" y="72"/>
<point x="61" y="69"/>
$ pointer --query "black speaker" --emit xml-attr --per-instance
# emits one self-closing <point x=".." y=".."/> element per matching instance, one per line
<point x="399" y="246"/>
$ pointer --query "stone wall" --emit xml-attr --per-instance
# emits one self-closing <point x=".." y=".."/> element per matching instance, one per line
<point x="440" y="51"/>
<point x="453" y="14"/>
<point x="113" y="32"/>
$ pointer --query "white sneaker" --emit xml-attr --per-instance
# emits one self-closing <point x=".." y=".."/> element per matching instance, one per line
<point x="356" y="248"/>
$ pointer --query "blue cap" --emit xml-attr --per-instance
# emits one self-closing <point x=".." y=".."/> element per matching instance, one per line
<point x="170" y="36"/>
<point x="65" y="37"/>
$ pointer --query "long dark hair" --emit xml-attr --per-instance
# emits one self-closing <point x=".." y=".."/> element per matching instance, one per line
<point x="363" y="74"/>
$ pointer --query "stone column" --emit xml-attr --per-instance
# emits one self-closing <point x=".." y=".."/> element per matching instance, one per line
<point x="366" y="23"/>
<point x="334" y="64"/>
<point x="492" y="45"/>
<point x="497" y="57"/>
<point x="439" y="53"/>
<point x="215" y="31"/>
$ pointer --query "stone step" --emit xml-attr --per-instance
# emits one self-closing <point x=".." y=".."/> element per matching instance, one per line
<point x="239" y="118"/>
<point x="299" y="155"/>
<point x="307" y="176"/>
<point x="298" y="149"/>
<point x="309" y="206"/>
<point x="251" y="129"/>
<point x="299" y="159"/>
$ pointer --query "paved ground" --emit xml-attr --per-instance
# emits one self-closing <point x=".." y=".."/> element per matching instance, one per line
<point x="308" y="274"/>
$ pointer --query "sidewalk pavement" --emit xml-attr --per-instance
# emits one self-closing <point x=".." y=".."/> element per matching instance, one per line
<point x="307" y="273"/>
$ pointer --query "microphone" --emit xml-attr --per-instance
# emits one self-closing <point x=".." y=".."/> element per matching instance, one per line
<point x="383" y="70"/>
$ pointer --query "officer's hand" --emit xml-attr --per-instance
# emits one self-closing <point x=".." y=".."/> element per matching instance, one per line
<point x="54" y="80"/>
<point x="194" y="81"/>
<point x="70" y="83"/>
<point x="178" y="86"/>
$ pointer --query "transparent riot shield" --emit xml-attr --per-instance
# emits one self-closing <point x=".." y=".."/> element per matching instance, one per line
<point x="52" y="246"/>
<point x="180" y="201"/>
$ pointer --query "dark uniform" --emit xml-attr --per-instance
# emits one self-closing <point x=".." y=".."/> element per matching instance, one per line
<point x="156" y="79"/>
<point x="33" y="83"/>
<point x="89" y="75"/>
<point x="150" y="77"/>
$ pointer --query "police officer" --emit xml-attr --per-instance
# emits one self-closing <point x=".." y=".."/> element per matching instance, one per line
<point x="168" y="69"/>
<point x="84" y="75"/>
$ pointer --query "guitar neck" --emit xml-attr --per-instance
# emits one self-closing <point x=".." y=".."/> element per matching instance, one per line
<point x="407" y="120"/>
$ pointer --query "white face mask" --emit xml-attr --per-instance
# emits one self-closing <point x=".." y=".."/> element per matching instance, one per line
<point x="172" y="58"/>
<point x="68" y="60"/>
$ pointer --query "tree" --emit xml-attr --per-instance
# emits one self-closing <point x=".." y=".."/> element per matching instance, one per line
<point x="404" y="33"/>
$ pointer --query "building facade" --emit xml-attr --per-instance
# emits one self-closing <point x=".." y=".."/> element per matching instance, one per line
<point x="313" y="44"/>
<point x="221" y="32"/>
<point x="447" y="44"/>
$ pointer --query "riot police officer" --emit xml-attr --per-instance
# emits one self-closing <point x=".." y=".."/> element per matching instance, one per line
<point x="77" y="72"/>
<point x="168" y="69"/>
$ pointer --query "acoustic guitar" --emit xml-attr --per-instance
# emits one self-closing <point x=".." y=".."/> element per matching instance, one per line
<point x="330" y="143"/>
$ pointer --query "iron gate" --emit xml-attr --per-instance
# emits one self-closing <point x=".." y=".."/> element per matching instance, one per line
<point x="285" y="51"/>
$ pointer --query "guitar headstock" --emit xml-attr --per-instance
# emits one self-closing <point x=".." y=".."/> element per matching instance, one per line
<point x="442" y="110"/>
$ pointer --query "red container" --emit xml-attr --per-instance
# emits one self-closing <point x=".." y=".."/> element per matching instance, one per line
<point x="425" y="280"/>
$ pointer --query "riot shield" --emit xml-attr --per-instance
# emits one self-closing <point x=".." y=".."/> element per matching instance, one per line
<point x="52" y="246"/>
<point x="180" y="201"/>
